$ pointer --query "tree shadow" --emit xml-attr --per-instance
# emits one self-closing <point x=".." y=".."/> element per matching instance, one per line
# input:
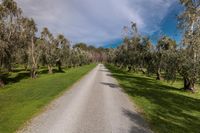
<point x="18" y="70"/>
<point x="168" y="111"/>
<point x="7" y="78"/>
<point x="110" y="85"/>
<point x="46" y="71"/>
<point x="22" y="74"/>
<point x="142" y="81"/>
<point x="43" y="71"/>
<point x="58" y="71"/>
<point x="139" y="125"/>
<point x="103" y="70"/>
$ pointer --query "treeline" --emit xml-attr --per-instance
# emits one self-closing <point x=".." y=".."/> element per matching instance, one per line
<point x="167" y="59"/>
<point x="19" y="45"/>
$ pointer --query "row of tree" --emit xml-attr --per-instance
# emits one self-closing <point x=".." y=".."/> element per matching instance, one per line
<point x="166" y="57"/>
<point x="20" y="45"/>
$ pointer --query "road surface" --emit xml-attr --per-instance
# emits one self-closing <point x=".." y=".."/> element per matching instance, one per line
<point x="95" y="104"/>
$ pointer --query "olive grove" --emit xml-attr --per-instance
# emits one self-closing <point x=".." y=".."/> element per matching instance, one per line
<point x="19" y="45"/>
<point x="166" y="59"/>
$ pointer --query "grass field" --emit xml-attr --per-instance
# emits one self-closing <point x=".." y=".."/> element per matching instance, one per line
<point x="23" y="97"/>
<point x="167" y="108"/>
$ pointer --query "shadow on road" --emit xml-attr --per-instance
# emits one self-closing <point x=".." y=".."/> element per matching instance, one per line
<point x="110" y="85"/>
<point x="139" y="125"/>
<point x="104" y="70"/>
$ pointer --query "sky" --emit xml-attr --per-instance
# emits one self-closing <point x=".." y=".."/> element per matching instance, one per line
<point x="101" y="22"/>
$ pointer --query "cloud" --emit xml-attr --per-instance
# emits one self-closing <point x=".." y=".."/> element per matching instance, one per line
<point x="95" y="21"/>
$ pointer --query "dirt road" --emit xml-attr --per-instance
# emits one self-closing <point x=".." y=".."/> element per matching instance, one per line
<point x="95" y="104"/>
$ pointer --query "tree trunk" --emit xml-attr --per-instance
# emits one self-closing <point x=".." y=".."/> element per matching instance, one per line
<point x="188" y="85"/>
<point x="50" y="69"/>
<point x="25" y="67"/>
<point x="9" y="68"/>
<point x="120" y="66"/>
<point x="59" y="66"/>
<point x="129" y="68"/>
<point x="1" y="83"/>
<point x="34" y="64"/>
<point x="143" y="72"/>
<point x="33" y="72"/>
<point x="158" y="75"/>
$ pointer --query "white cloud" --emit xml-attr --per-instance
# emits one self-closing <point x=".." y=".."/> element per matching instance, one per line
<point x="95" y="21"/>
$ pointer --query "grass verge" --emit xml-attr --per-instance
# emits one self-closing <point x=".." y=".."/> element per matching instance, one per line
<point x="20" y="101"/>
<point x="165" y="106"/>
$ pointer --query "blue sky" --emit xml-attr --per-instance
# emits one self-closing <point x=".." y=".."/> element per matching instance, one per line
<point x="100" y="22"/>
<point x="168" y="25"/>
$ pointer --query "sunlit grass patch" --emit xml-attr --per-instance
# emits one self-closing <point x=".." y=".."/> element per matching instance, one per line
<point x="21" y="100"/>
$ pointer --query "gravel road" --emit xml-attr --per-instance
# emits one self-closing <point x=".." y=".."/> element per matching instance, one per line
<point x="95" y="104"/>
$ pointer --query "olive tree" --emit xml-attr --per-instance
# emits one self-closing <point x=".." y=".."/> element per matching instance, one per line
<point x="49" y="49"/>
<point x="10" y="14"/>
<point x="189" y="22"/>
<point x="34" y="50"/>
<point x="63" y="51"/>
<point x="164" y="47"/>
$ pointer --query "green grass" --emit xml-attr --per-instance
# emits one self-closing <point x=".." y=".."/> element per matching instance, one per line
<point x="21" y="100"/>
<point x="167" y="108"/>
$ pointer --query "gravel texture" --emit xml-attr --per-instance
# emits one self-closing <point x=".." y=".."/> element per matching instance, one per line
<point x="95" y="104"/>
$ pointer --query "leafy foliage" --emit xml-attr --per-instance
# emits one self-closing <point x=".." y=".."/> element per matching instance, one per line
<point x="166" y="59"/>
<point x="20" y="45"/>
